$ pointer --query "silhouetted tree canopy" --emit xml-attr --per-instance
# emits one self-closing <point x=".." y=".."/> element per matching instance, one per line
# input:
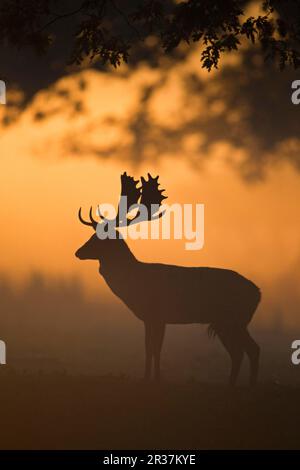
<point x="44" y="40"/>
<point x="112" y="31"/>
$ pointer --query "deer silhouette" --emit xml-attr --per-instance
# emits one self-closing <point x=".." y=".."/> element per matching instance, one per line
<point x="161" y="294"/>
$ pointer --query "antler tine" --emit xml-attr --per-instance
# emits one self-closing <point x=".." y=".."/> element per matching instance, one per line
<point x="93" y="223"/>
<point x="99" y="213"/>
<point x="82" y="220"/>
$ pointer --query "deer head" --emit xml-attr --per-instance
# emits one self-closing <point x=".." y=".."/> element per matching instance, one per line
<point x="146" y="200"/>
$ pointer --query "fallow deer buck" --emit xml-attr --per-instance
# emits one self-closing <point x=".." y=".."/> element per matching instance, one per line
<point x="161" y="294"/>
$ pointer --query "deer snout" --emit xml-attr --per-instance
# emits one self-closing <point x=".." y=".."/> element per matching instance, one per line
<point x="78" y="254"/>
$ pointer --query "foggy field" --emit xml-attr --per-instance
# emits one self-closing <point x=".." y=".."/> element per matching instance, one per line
<point x="68" y="412"/>
<point x="50" y="326"/>
<point x="72" y="380"/>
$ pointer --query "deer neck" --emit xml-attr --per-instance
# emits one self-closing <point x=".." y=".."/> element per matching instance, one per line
<point x="118" y="262"/>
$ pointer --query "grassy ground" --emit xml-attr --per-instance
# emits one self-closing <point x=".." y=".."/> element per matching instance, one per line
<point x="65" y="412"/>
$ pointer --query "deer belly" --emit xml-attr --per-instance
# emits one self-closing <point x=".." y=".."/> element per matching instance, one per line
<point x="186" y="317"/>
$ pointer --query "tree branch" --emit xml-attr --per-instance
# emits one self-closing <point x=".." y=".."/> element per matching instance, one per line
<point x="60" y="17"/>
<point x="131" y="26"/>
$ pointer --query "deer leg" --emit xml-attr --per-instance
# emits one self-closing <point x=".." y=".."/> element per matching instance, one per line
<point x="232" y="341"/>
<point x="252" y="350"/>
<point x="158" y="337"/>
<point x="148" y="351"/>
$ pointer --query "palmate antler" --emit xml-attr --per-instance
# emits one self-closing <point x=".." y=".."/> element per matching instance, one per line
<point x="148" y="203"/>
<point x="147" y="199"/>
